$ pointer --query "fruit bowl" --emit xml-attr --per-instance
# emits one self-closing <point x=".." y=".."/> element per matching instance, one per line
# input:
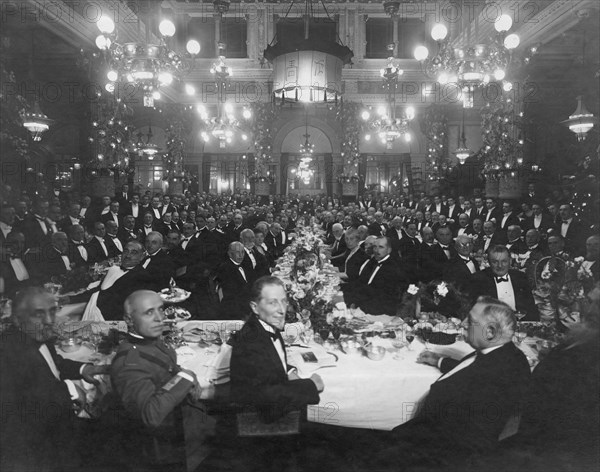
<point x="375" y="353"/>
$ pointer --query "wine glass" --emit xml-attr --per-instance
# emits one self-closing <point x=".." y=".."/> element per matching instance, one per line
<point x="520" y="336"/>
<point x="288" y="339"/>
<point x="410" y="337"/>
<point x="324" y="333"/>
<point x="426" y="334"/>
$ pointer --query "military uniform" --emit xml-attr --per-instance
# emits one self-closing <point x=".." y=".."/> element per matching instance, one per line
<point x="151" y="389"/>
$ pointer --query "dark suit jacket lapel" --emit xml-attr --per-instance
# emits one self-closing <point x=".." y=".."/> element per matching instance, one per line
<point x="265" y="338"/>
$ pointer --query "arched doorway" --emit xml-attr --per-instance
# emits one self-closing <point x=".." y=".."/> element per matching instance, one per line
<point x="326" y="162"/>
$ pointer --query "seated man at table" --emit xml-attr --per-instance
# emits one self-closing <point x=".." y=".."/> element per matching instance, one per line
<point x="470" y="404"/>
<point x="38" y="403"/>
<point x="151" y="387"/>
<point x="260" y="374"/>
<point x="507" y="285"/>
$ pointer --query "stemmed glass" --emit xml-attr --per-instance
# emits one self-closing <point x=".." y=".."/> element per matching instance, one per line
<point x="520" y="336"/>
<point x="426" y="333"/>
<point x="410" y="336"/>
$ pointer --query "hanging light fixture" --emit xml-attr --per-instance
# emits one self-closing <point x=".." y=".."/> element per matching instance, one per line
<point x="471" y="65"/>
<point x="36" y="122"/>
<point x="462" y="152"/>
<point x="305" y="170"/>
<point x="219" y="69"/>
<point x="308" y="69"/>
<point x="581" y="121"/>
<point x="148" y="148"/>
<point x="148" y="65"/>
<point x="225" y="125"/>
<point x="386" y="125"/>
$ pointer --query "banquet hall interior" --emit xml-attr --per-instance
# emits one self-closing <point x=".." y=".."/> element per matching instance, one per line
<point x="193" y="147"/>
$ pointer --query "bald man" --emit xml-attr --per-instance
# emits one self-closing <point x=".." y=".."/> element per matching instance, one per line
<point x="151" y="387"/>
<point x="158" y="264"/>
<point x="234" y="284"/>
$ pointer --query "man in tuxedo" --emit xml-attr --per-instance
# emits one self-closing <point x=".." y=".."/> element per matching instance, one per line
<point x="572" y="230"/>
<point x="462" y="265"/>
<point x="480" y="209"/>
<point x="127" y="231"/>
<point x="158" y="264"/>
<point x="123" y="196"/>
<point x="410" y="251"/>
<point x="453" y="209"/>
<point x="507" y="285"/>
<point x="133" y="207"/>
<point x="438" y="256"/>
<point x="260" y="374"/>
<point x="96" y="248"/>
<point x="71" y="219"/>
<point x="255" y="262"/>
<point x="438" y="206"/>
<point x="515" y="244"/>
<point x="102" y="209"/>
<point x="463" y="225"/>
<point x="233" y="282"/>
<point x="539" y="220"/>
<point x="396" y="233"/>
<point x="236" y="227"/>
<point x="338" y="248"/>
<point x="380" y="282"/>
<point x="155" y="208"/>
<point x="493" y="212"/>
<point x="276" y="240"/>
<point x="491" y="237"/>
<point x="378" y="227"/>
<point x="38" y="399"/>
<point x="509" y="218"/>
<point x="113" y="243"/>
<point x="167" y="206"/>
<point x="468" y="210"/>
<point x="148" y="226"/>
<point x="354" y="257"/>
<point x="34" y="227"/>
<point x="54" y="260"/>
<point x="112" y="215"/>
<point x="455" y="420"/>
<point x="13" y="269"/>
<point x="77" y="252"/>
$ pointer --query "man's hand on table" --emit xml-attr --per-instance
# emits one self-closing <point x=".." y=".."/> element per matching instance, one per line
<point x="90" y="370"/>
<point x="196" y="391"/>
<point x="318" y="381"/>
<point x="428" y="357"/>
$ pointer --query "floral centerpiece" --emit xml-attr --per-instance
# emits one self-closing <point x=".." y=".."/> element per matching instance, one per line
<point x="310" y="283"/>
<point x="435" y="300"/>
<point x="561" y="286"/>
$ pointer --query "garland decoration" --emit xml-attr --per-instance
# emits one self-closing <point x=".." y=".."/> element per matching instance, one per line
<point x="178" y="128"/>
<point x="264" y="115"/>
<point x="13" y="136"/>
<point x="110" y="133"/>
<point x="434" y="125"/>
<point x="347" y="114"/>
<point x="502" y="125"/>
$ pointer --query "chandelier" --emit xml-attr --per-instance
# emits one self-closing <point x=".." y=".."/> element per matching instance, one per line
<point x="472" y="65"/>
<point x="148" y="148"/>
<point x="225" y="126"/>
<point x="386" y="125"/>
<point x="307" y="69"/>
<point x="36" y="122"/>
<point x="305" y="170"/>
<point x="145" y="64"/>
<point x="581" y="121"/>
<point x="462" y="152"/>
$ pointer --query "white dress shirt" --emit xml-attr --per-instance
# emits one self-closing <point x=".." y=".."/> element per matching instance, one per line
<point x="5" y="228"/>
<point x="117" y="242"/>
<point x="537" y="221"/>
<point x="377" y="269"/>
<point x="505" y="292"/>
<point x="135" y="209"/>
<point x="82" y="250"/>
<point x="504" y="218"/>
<point x="276" y="344"/>
<point x="564" y="227"/>
<point x="19" y="269"/>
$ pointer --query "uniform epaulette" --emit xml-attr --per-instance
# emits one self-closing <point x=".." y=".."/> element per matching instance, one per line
<point x="131" y="354"/>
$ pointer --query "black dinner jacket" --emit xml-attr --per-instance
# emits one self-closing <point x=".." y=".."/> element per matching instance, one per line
<point x="125" y="235"/>
<point x="50" y="264"/>
<point x="37" y="424"/>
<point x="95" y="251"/>
<point x="434" y="261"/>
<point x="353" y="264"/>
<point x="512" y="219"/>
<point x="545" y="224"/>
<point x="457" y="409"/>
<point x="113" y="250"/>
<point x="160" y="268"/>
<point x="457" y="210"/>
<point x="234" y="287"/>
<point x="457" y="272"/>
<point x="275" y="245"/>
<point x="74" y="254"/>
<point x="258" y="377"/>
<point x="483" y="283"/>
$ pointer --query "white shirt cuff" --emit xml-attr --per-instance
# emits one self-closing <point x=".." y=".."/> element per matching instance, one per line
<point x="186" y="376"/>
<point x="83" y="367"/>
<point x="439" y="364"/>
<point x="72" y="389"/>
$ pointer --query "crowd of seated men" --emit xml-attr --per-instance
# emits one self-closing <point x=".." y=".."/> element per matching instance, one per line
<point x="379" y="243"/>
<point x="222" y="248"/>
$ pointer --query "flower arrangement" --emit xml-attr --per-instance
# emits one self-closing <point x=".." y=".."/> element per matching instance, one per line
<point x="561" y="286"/>
<point x="437" y="298"/>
